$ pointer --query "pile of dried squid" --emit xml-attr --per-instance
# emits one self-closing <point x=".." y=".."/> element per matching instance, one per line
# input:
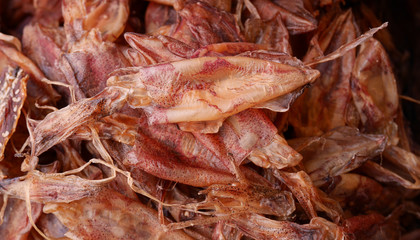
<point x="212" y="119"/>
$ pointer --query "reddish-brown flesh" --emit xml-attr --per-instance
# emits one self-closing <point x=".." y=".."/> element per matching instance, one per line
<point x="200" y="119"/>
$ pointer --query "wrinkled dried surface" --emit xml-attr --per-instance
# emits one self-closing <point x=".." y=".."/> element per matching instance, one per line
<point x="51" y="226"/>
<point x="296" y="18"/>
<point x="109" y="17"/>
<point x="327" y="104"/>
<point x="66" y="121"/>
<point x="13" y="94"/>
<point x="209" y="88"/>
<point x="374" y="90"/>
<point x="209" y="25"/>
<point x="49" y="188"/>
<point x="16" y="224"/>
<point x="202" y="119"/>
<point x="110" y="216"/>
<point x="310" y="198"/>
<point x="260" y="227"/>
<point x="359" y="193"/>
<point x="337" y="152"/>
<point x="44" y="46"/>
<point x="92" y="60"/>
<point x="167" y="166"/>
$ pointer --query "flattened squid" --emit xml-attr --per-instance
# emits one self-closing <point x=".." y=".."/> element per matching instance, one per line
<point x="327" y="104"/>
<point x="337" y="151"/>
<point x="209" y="89"/>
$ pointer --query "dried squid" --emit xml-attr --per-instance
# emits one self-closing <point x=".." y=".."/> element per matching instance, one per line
<point x="202" y="119"/>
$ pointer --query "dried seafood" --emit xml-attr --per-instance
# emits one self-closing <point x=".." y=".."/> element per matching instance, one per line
<point x="201" y="119"/>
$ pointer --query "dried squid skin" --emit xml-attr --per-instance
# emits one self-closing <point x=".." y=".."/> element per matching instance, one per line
<point x="188" y="149"/>
<point x="404" y="168"/>
<point x="119" y="127"/>
<point x="89" y="51"/>
<point x="179" y="31"/>
<point x="92" y="60"/>
<point x="327" y="104"/>
<point x="185" y="145"/>
<point x="157" y="160"/>
<point x="50" y="131"/>
<point x="208" y="24"/>
<point x="12" y="97"/>
<point x="185" y="91"/>
<point x="161" y="48"/>
<point x="19" y="83"/>
<point x="158" y="15"/>
<point x="212" y="151"/>
<point x="283" y="103"/>
<point x="48" y="12"/>
<point x="176" y="47"/>
<point x="224" y="231"/>
<point x="278" y="154"/>
<point x="110" y="215"/>
<point x="134" y="57"/>
<point x="226" y="49"/>
<point x="82" y="111"/>
<point x="250" y="134"/>
<point x="223" y="5"/>
<point x="372" y="226"/>
<point x="70" y="158"/>
<point x="239" y="135"/>
<point x="249" y="198"/>
<point x="338" y="151"/>
<point x="374" y="90"/>
<point x="59" y="125"/>
<point x="37" y="91"/>
<point x="109" y="17"/>
<point x="384" y="175"/>
<point x="274" y="56"/>
<point x="44" y="45"/>
<point x="361" y="194"/>
<point x="404" y="159"/>
<point x="16" y="224"/>
<point x="272" y="34"/>
<point x="309" y="196"/>
<point x="44" y="188"/>
<point x="83" y="63"/>
<point x="154" y="49"/>
<point x="144" y="180"/>
<point x="296" y="18"/>
<point x="259" y="227"/>
<point x="200" y="24"/>
<point x="51" y="226"/>
<point x="180" y="195"/>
